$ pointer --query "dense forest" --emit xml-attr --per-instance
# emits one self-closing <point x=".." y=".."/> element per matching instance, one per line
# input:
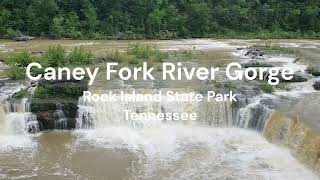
<point x="162" y="19"/>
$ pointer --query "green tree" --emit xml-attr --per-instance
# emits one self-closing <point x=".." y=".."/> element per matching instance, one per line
<point x="57" y="29"/>
<point x="72" y="25"/>
<point x="90" y="19"/>
<point x="198" y="19"/>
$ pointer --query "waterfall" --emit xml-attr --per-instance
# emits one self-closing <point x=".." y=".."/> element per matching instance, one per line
<point x="251" y="113"/>
<point x="60" y="121"/>
<point x="16" y="118"/>
<point x="100" y="114"/>
<point x="247" y="113"/>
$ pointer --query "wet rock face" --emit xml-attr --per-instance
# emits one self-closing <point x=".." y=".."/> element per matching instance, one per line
<point x="303" y="141"/>
<point x="55" y="103"/>
<point x="253" y="53"/>
<point x="316" y="85"/>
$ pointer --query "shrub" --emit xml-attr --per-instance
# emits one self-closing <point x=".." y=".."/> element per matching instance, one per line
<point x="55" y="56"/>
<point x="146" y="51"/>
<point x="229" y="85"/>
<point x="11" y="33"/>
<point x="315" y="71"/>
<point x="41" y="92"/>
<point x="21" y="59"/>
<point x="134" y="61"/>
<point x="119" y="57"/>
<point x="21" y="94"/>
<point x="265" y="87"/>
<point x="158" y="56"/>
<point x="80" y="57"/>
<point x="16" y="73"/>
<point x="137" y="54"/>
<point x="139" y="50"/>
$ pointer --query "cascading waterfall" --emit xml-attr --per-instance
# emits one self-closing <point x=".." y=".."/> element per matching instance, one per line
<point x="101" y="114"/>
<point x="60" y="121"/>
<point x="194" y="151"/>
<point x="17" y="118"/>
<point x="249" y="113"/>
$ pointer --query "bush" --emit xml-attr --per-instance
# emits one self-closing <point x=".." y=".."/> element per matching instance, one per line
<point x="55" y="56"/>
<point x="16" y="73"/>
<point x="158" y="56"/>
<point x="11" y="33"/>
<point x="136" y="54"/>
<point x="21" y="59"/>
<point x="134" y="61"/>
<point x="119" y="57"/>
<point x="265" y="87"/>
<point x="42" y="92"/>
<point x="315" y="71"/>
<point x="146" y="51"/>
<point x="80" y="57"/>
<point x="140" y="51"/>
<point x="21" y="94"/>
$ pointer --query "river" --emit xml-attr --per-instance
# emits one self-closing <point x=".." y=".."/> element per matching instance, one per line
<point x="222" y="144"/>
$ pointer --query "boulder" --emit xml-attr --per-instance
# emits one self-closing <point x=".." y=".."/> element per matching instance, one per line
<point x="297" y="77"/>
<point x="314" y="70"/>
<point x="254" y="63"/>
<point x="316" y="85"/>
<point x="253" y="53"/>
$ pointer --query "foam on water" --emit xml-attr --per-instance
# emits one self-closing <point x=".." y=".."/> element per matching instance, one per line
<point x="9" y="89"/>
<point x="311" y="45"/>
<point x="287" y="62"/>
<point x="11" y="142"/>
<point x="297" y="90"/>
<point x="16" y="121"/>
<point x="188" y="152"/>
<point x="83" y="44"/>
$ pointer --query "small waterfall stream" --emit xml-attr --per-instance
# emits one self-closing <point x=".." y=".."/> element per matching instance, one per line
<point x="60" y="121"/>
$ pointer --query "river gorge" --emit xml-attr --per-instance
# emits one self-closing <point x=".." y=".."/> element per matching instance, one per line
<point x="263" y="135"/>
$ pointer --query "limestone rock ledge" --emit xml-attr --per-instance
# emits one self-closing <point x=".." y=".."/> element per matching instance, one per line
<point x="303" y="141"/>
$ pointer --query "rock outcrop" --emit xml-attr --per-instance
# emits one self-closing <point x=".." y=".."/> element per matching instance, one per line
<point x="316" y="85"/>
<point x="303" y="141"/>
<point x="55" y="103"/>
<point x="254" y="63"/>
<point x="253" y="53"/>
<point x="297" y="77"/>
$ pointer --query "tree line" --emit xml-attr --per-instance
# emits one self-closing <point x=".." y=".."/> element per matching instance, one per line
<point x="161" y="19"/>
